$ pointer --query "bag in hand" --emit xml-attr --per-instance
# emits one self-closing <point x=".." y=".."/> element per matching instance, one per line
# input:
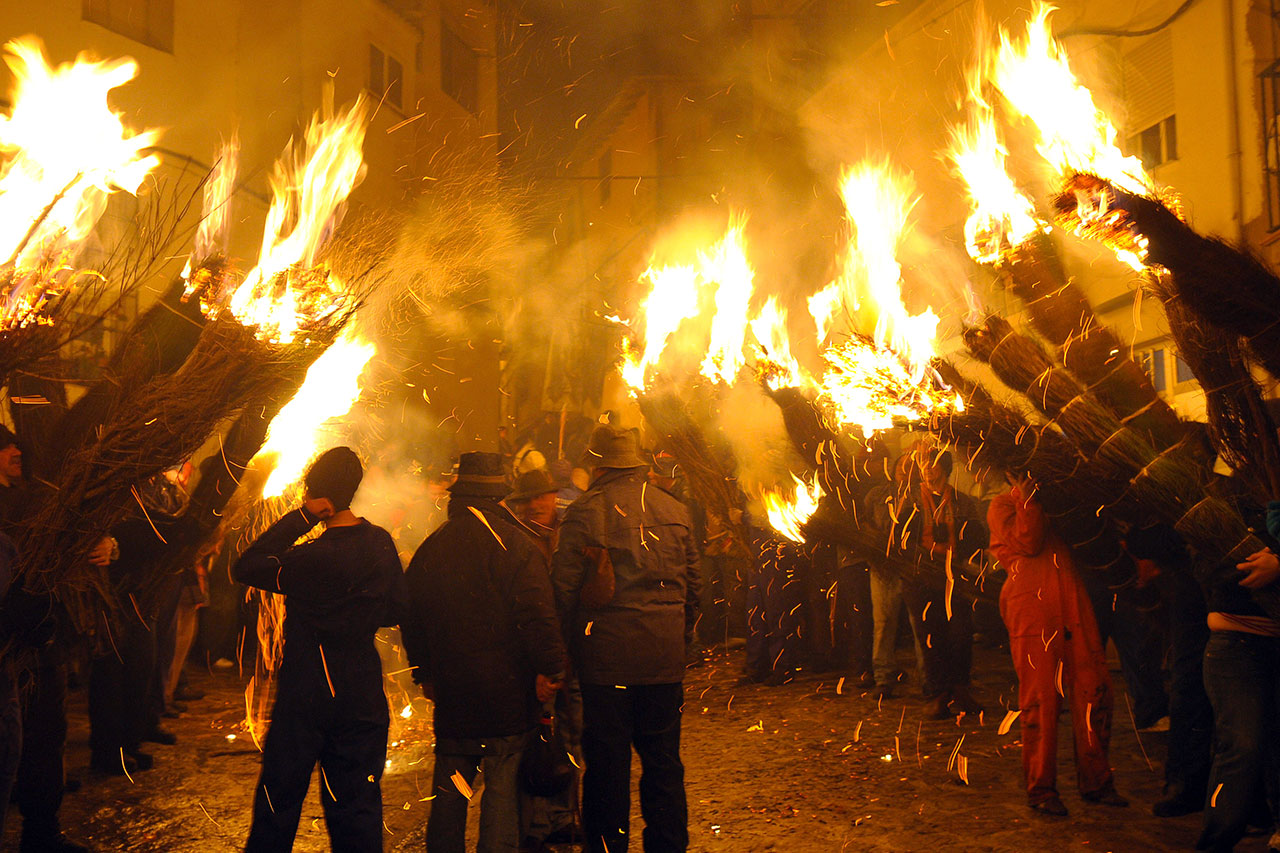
<point x="545" y="770"/>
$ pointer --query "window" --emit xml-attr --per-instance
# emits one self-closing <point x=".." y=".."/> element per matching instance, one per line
<point x="1152" y="362"/>
<point x="1157" y="144"/>
<point x="459" y="70"/>
<point x="386" y="77"/>
<point x="1183" y="371"/>
<point x="146" y="21"/>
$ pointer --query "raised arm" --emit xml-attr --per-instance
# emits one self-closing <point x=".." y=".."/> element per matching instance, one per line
<point x="271" y="562"/>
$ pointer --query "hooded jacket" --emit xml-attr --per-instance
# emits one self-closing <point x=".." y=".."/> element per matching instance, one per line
<point x="481" y="622"/>
<point x="639" y="637"/>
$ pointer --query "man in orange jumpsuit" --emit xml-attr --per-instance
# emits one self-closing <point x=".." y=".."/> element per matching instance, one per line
<point x="1056" y="648"/>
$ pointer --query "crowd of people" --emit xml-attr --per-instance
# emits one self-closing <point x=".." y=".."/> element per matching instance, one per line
<point x="553" y="613"/>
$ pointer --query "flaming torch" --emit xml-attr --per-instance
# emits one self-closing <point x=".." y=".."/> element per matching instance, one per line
<point x="788" y="513"/>
<point x="63" y="152"/>
<point x="1076" y="138"/>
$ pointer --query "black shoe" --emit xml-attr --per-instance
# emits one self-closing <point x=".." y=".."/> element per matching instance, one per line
<point x="56" y="843"/>
<point x="884" y="691"/>
<point x="111" y="764"/>
<point x="188" y="694"/>
<point x="144" y="760"/>
<point x="161" y="736"/>
<point x="779" y="678"/>
<point x="866" y="681"/>
<point x="563" y="835"/>
<point x="1106" y="797"/>
<point x="751" y="678"/>
<point x="1052" y="806"/>
<point x="176" y="706"/>
<point x="1177" y="807"/>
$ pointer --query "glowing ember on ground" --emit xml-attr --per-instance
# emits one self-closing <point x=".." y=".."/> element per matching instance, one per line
<point x="331" y="388"/>
<point x="63" y="152"/>
<point x="788" y="513"/>
<point x="288" y="292"/>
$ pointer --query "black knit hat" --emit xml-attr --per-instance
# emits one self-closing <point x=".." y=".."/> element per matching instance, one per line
<point x="7" y="438"/>
<point x="336" y="474"/>
<point x="480" y="475"/>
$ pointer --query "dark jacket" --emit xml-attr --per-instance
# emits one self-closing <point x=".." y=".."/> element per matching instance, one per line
<point x="481" y="624"/>
<point x="340" y="588"/>
<point x="639" y="637"/>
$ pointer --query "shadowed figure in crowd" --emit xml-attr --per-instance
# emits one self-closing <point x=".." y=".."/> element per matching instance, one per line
<point x="330" y="707"/>
<point x="626" y="582"/>
<point x="483" y="639"/>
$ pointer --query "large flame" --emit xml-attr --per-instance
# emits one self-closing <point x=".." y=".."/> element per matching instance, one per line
<point x="211" y="237"/>
<point x="331" y="388"/>
<point x="673" y="298"/>
<point x="870" y="388"/>
<point x="1074" y="135"/>
<point x="287" y="291"/>
<point x="1000" y="217"/>
<point x="775" y="364"/>
<point x="726" y="267"/>
<point x="878" y="202"/>
<point x="788" y="511"/>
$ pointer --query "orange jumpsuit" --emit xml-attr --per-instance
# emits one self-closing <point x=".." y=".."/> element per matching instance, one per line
<point x="1056" y="648"/>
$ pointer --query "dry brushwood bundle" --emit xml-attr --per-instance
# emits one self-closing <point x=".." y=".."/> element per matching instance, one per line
<point x="709" y="469"/>
<point x="1224" y="285"/>
<point x="1241" y="428"/>
<point x="155" y="426"/>
<point x="1062" y="315"/>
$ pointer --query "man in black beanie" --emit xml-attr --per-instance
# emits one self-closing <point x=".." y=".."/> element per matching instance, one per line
<point x="330" y="706"/>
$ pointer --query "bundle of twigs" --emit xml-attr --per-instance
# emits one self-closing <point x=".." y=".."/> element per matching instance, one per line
<point x="1240" y="426"/>
<point x="154" y="427"/>
<point x="709" y="469"/>
<point x="1001" y="439"/>
<point x="1062" y="315"/>
<point x="1223" y="284"/>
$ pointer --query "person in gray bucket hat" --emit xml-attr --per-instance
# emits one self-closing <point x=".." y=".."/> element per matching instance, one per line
<point x="628" y="643"/>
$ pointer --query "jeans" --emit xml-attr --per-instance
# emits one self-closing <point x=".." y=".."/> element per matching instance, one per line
<point x="499" y="759"/>
<point x="1242" y="678"/>
<point x="886" y="608"/>
<point x="945" y="644"/>
<point x="615" y="719"/>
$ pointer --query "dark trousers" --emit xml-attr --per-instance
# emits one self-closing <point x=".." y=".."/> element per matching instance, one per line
<point x="773" y="604"/>
<point x="351" y="749"/>
<point x="166" y="634"/>
<point x="614" y="720"/>
<point x="1242" y="678"/>
<point x="10" y="736"/>
<point x="713" y="624"/>
<point x="1139" y="645"/>
<point x="119" y="682"/>
<point x="1186" y="773"/>
<point x="41" y="780"/>
<point x="945" y="644"/>
<point x="849" y="606"/>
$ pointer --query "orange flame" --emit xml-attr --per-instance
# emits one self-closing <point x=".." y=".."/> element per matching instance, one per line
<point x="287" y="292"/>
<point x="67" y="151"/>
<point x="211" y="238"/>
<point x="1075" y="136"/>
<point x="673" y="298"/>
<point x="331" y="388"/>
<point x="776" y="364"/>
<point x="788" y="512"/>
<point x="727" y="267"/>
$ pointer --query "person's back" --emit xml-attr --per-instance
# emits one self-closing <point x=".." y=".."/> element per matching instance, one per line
<point x="482" y="636"/>
<point x="330" y="707"/>
<point x="628" y="641"/>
